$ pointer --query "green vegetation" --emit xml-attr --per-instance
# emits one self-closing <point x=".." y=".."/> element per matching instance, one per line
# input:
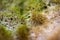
<point x="37" y="5"/>
<point x="21" y="8"/>
<point x="17" y="11"/>
<point x="22" y="32"/>
<point x="4" y="33"/>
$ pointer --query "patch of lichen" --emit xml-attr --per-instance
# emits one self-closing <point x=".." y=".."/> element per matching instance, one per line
<point x="5" y="34"/>
<point x="22" y="32"/>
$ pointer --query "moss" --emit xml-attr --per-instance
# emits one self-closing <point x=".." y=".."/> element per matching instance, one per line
<point x="4" y="33"/>
<point x="22" y="32"/>
<point x="34" y="5"/>
<point x="38" y="18"/>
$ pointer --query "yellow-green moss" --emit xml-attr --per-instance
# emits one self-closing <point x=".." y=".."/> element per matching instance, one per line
<point x="22" y="32"/>
<point x="38" y="5"/>
<point x="4" y="33"/>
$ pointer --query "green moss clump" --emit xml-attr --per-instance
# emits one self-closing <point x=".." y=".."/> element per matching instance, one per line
<point x="4" y="33"/>
<point x="22" y="32"/>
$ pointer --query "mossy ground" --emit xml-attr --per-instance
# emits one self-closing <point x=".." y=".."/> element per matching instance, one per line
<point x="15" y="12"/>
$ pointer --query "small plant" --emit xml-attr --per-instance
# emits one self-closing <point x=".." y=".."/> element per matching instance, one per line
<point x="38" y="18"/>
<point x="4" y="33"/>
<point x="22" y="32"/>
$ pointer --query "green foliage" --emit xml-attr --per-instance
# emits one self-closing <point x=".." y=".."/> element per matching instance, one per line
<point x="4" y="33"/>
<point x="22" y="32"/>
